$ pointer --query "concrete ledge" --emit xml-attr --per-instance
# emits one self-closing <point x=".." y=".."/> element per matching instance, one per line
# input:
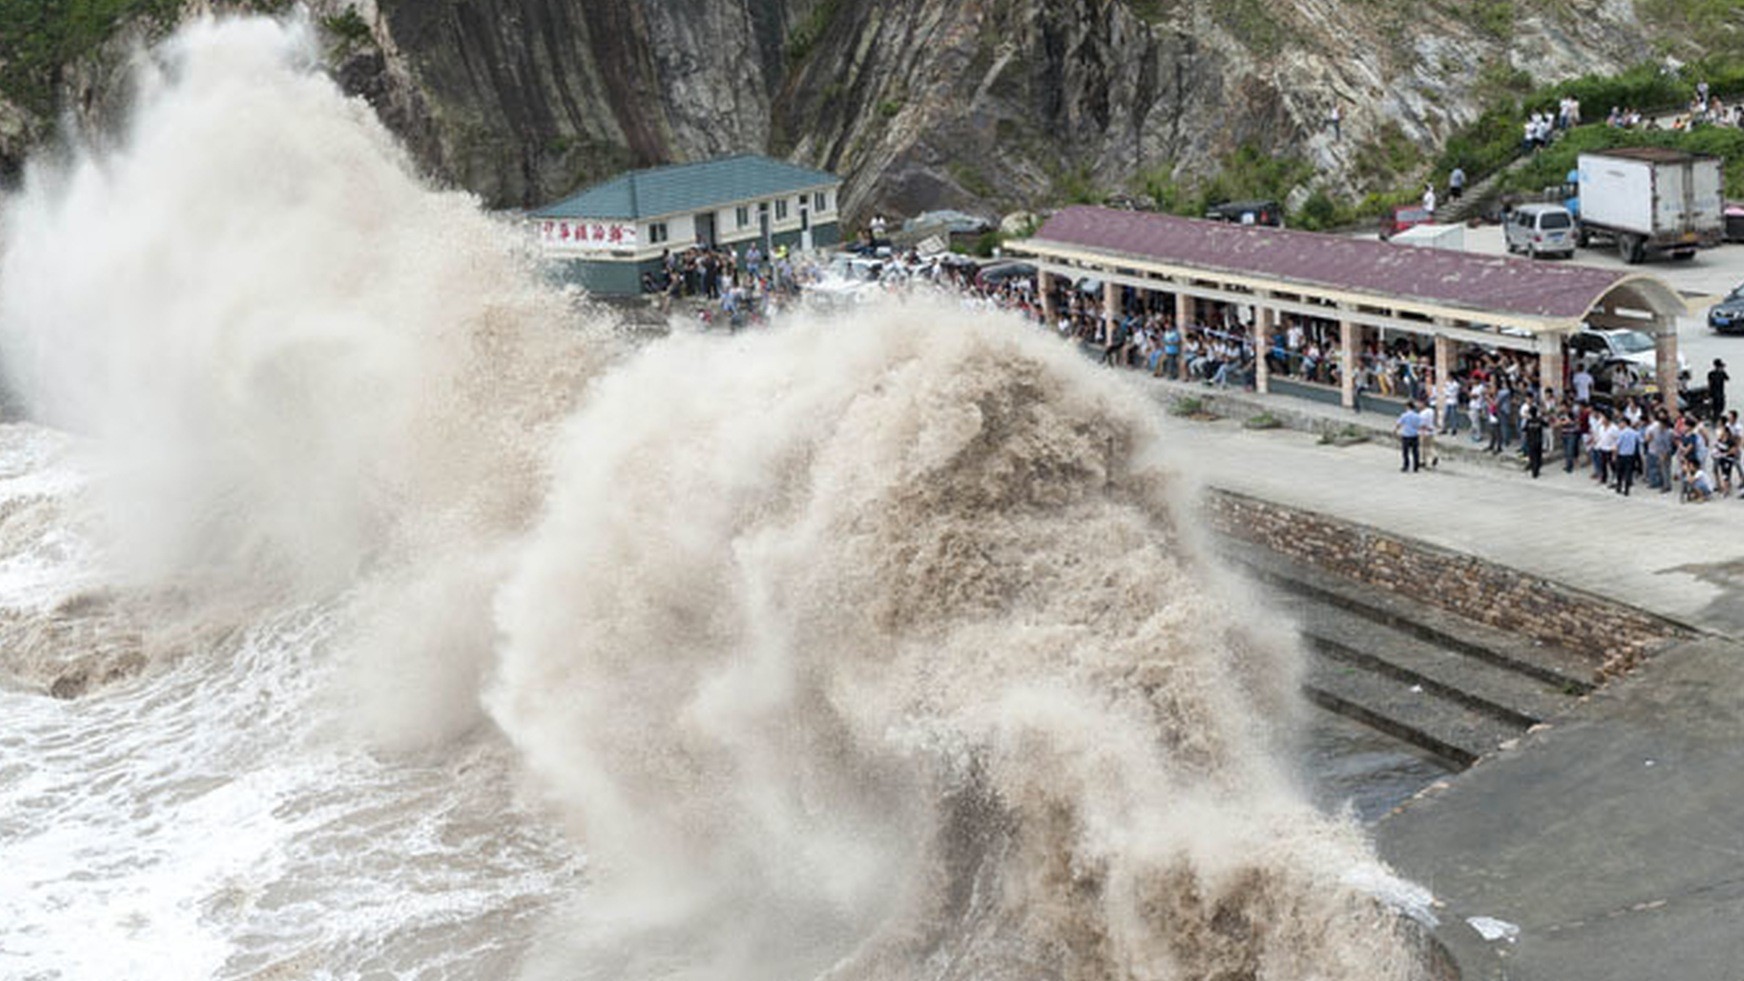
<point x="1614" y="637"/>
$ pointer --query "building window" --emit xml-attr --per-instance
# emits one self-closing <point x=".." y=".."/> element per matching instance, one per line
<point x="780" y="209"/>
<point x="744" y="216"/>
<point x="820" y="201"/>
<point x="656" y="233"/>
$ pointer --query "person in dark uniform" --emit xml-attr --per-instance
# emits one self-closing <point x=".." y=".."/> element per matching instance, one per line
<point x="1717" y="379"/>
<point x="1534" y="440"/>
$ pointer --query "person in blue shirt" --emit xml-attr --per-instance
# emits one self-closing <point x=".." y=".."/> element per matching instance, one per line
<point x="1628" y="453"/>
<point x="1409" y="427"/>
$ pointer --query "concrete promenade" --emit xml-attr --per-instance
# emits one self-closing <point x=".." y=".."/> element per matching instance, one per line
<point x="1613" y="837"/>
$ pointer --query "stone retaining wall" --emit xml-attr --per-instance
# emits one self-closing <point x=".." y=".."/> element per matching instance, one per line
<point x="1464" y="584"/>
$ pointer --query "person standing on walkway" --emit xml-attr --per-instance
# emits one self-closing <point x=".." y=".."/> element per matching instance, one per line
<point x="1717" y="379"/>
<point x="1534" y="430"/>
<point x="1170" y="366"/>
<point x="1450" y="406"/>
<point x="1582" y="381"/>
<point x="1604" y="445"/>
<point x="1725" y="457"/>
<point x="1475" y="399"/>
<point x="1493" y="419"/>
<point x="1426" y="434"/>
<point x="1628" y="452"/>
<point x="1409" y="427"/>
<point x="1651" y="438"/>
<point x="1568" y="427"/>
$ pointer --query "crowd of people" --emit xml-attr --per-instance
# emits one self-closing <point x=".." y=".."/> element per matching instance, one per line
<point x="729" y="286"/>
<point x="1494" y="399"/>
<point x="1697" y="457"/>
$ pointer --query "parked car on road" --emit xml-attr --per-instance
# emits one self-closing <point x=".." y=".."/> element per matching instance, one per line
<point x="1248" y="213"/>
<point x="1540" y="229"/>
<point x="1597" y="346"/>
<point x="1727" y="316"/>
<point x="1402" y="217"/>
<point x="996" y="273"/>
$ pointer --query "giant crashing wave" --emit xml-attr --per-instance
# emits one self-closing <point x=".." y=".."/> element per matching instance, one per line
<point x="871" y="646"/>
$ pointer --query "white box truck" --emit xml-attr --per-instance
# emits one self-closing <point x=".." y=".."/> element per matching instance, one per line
<point x="1650" y="199"/>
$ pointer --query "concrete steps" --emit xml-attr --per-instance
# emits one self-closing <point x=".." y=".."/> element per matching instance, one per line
<point x="1455" y="688"/>
<point x="1456" y="735"/>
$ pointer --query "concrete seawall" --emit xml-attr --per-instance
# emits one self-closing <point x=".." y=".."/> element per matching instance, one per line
<point x="1613" y="636"/>
<point x="1606" y="835"/>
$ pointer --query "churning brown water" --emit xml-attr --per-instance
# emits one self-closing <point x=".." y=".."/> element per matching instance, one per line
<point x="420" y="628"/>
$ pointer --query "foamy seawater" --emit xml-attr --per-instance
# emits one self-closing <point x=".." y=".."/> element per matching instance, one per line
<point x="208" y="819"/>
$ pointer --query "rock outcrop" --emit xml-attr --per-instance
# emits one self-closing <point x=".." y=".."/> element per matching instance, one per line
<point x="930" y="103"/>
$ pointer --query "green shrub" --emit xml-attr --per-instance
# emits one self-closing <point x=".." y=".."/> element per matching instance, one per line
<point x="349" y="29"/>
<point x="1346" y="435"/>
<point x="988" y="241"/>
<point x="1187" y="407"/>
<point x="38" y="38"/>
<point x="805" y="35"/>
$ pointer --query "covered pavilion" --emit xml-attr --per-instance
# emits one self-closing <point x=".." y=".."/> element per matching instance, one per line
<point x="1365" y="287"/>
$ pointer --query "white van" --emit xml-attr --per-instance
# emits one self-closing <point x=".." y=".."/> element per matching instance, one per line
<point x="1540" y="229"/>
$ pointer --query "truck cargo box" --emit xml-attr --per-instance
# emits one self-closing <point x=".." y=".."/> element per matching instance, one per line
<point x="1651" y="199"/>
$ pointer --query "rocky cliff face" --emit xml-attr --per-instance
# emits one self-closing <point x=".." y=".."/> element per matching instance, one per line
<point x="928" y="103"/>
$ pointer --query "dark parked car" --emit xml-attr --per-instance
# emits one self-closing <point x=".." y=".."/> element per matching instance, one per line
<point x="996" y="273"/>
<point x="1727" y="316"/>
<point x="1734" y="216"/>
<point x="1248" y="213"/>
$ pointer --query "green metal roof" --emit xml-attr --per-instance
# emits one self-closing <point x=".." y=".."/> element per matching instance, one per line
<point x="687" y="187"/>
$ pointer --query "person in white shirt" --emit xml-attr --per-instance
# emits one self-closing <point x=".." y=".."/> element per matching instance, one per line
<point x="1583" y="384"/>
<point x="1426" y="434"/>
<point x="1429" y="200"/>
<point x="1475" y="410"/>
<point x="1605" y="449"/>
<point x="1450" y="405"/>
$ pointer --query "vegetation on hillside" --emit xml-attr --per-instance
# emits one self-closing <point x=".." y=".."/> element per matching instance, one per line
<point x="1549" y="167"/>
<point x="39" y="38"/>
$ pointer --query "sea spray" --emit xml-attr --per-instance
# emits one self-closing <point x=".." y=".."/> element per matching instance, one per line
<point x="305" y="370"/>
<point x="875" y="647"/>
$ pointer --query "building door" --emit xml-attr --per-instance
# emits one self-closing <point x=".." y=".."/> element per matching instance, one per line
<point x="804" y="227"/>
<point x="705" y="229"/>
<point x="763" y="225"/>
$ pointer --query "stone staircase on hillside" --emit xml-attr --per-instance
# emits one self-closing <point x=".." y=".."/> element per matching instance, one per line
<point x="1480" y="198"/>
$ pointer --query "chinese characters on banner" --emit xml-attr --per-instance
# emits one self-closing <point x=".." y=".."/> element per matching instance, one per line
<point x="592" y="236"/>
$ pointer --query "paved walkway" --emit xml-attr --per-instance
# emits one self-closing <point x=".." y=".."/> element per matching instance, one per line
<point x="1681" y="561"/>
<point x="1611" y="838"/>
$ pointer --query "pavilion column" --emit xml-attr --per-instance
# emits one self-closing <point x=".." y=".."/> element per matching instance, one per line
<point x="1045" y="283"/>
<point x="1550" y="364"/>
<point x="1443" y="373"/>
<point x="1262" y="342"/>
<point x="1183" y="317"/>
<point x="1110" y="306"/>
<point x="1347" y="363"/>
<point x="1665" y="353"/>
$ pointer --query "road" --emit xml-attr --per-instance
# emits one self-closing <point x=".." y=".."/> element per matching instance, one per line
<point x="1702" y="280"/>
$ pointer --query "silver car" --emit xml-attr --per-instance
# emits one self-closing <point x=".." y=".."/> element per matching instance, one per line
<point x="1540" y="229"/>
